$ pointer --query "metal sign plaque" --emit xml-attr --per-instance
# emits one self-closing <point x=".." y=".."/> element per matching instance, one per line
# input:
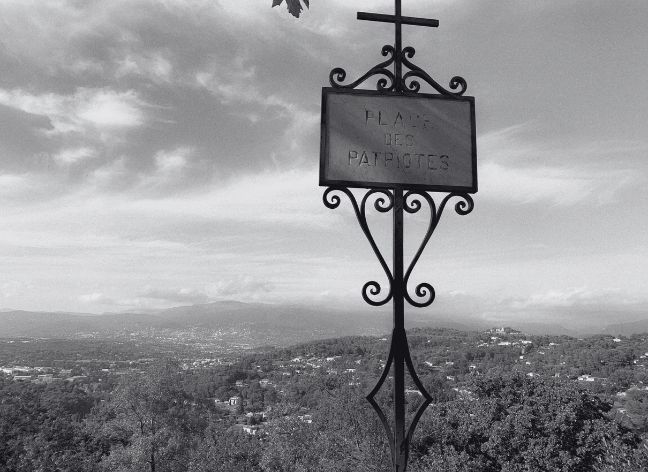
<point x="385" y="140"/>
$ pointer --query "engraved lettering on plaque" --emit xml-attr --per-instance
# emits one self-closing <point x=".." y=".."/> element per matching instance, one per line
<point x="372" y="139"/>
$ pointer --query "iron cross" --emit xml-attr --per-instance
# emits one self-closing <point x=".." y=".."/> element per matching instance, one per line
<point x="399" y="20"/>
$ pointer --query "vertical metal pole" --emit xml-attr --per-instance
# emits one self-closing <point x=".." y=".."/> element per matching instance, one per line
<point x="399" y="344"/>
<point x="398" y="46"/>
<point x="400" y="340"/>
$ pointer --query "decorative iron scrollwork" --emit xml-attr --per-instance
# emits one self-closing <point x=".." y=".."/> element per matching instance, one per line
<point x="391" y="83"/>
<point x="383" y="204"/>
<point x="416" y="72"/>
<point x="412" y="204"/>
<point x="337" y="75"/>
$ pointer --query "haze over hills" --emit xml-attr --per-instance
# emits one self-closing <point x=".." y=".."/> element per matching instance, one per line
<point x="253" y="324"/>
<point x="21" y="323"/>
<point x="627" y="329"/>
<point x="247" y="324"/>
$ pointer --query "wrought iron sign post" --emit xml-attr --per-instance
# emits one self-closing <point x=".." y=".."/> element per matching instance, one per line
<point x="399" y="144"/>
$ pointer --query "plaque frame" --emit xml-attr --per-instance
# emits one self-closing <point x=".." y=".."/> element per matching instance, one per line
<point x="324" y="142"/>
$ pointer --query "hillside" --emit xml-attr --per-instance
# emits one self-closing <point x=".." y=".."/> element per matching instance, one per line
<point x="236" y="325"/>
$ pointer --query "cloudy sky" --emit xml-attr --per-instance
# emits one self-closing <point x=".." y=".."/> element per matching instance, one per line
<point x="157" y="153"/>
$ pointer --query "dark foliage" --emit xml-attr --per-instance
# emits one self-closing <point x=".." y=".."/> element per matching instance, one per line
<point x="503" y="402"/>
<point x="294" y="6"/>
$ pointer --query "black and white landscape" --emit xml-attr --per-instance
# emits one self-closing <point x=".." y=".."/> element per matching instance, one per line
<point x="175" y="296"/>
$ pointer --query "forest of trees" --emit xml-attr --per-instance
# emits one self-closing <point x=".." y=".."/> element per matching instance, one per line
<point x="490" y="412"/>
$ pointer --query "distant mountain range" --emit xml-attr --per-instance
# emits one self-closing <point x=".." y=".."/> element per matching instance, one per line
<point x="244" y="324"/>
<point x="253" y="324"/>
<point x="627" y="329"/>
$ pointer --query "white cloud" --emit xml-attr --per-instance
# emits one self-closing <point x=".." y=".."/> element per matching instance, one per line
<point x="168" y="162"/>
<point x="96" y="298"/>
<point x="109" y="109"/>
<point x="88" y="222"/>
<point x="279" y="197"/>
<point x="73" y="156"/>
<point x="109" y="175"/>
<point x="154" y="66"/>
<point x="536" y="184"/>
<point x="12" y="184"/>
<point x="237" y="83"/>
<point x="18" y="191"/>
<point x="11" y="288"/>
<point x="289" y="198"/>
<point x="172" y="168"/>
<point x="182" y="295"/>
<point x="86" y="111"/>
<point x="517" y="170"/>
<point x="241" y="287"/>
<point x="576" y="296"/>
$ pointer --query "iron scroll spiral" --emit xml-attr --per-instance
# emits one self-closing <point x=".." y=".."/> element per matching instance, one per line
<point x="384" y="84"/>
<point x="412" y="204"/>
<point x="416" y="72"/>
<point x="389" y="82"/>
<point x="383" y="204"/>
